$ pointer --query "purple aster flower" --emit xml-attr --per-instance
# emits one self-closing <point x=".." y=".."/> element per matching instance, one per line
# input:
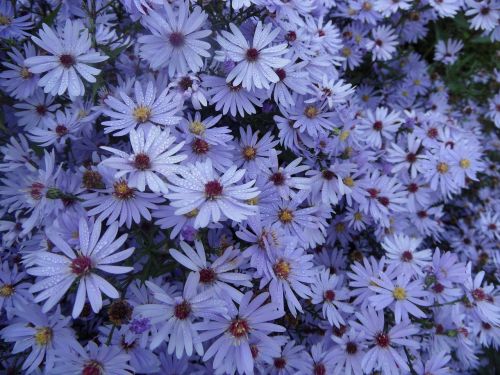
<point x="481" y="297"/>
<point x="383" y="43"/>
<point x="175" y="42"/>
<point x="217" y="275"/>
<point x="410" y="160"/>
<point x="233" y="333"/>
<point x="12" y="26"/>
<point x="256" y="62"/>
<point x="289" y="361"/>
<point x="13" y="289"/>
<point x="58" y="271"/>
<point x="379" y="126"/>
<point x="43" y="334"/>
<point x="18" y="81"/>
<point x="292" y="79"/>
<point x="349" y="353"/>
<point x="484" y="14"/>
<point x="401" y="252"/>
<point x="36" y="110"/>
<point x="152" y="158"/>
<point x="195" y="128"/>
<point x="214" y="197"/>
<point x="319" y="361"/>
<point x="447" y="52"/>
<point x="149" y="108"/>
<point x="361" y="278"/>
<point x="69" y="54"/>
<point x="175" y="316"/>
<point x="65" y="126"/>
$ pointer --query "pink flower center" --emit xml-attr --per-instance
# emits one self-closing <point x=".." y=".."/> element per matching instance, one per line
<point x="41" y="109"/>
<point x="438" y="288"/>
<point x="277" y="178"/>
<point x="36" y="190"/>
<point x="479" y="294"/>
<point x="319" y="369"/>
<point x="411" y="157"/>
<point x="92" y="368"/>
<point x="281" y="74"/>
<point x="142" y="162"/>
<point x="413" y="187"/>
<point x="377" y="125"/>
<point x="207" y="276"/>
<point x="407" y="256"/>
<point x="213" y="189"/>
<point x="200" y="146"/>
<point x="329" y="295"/>
<point x="373" y="192"/>
<point x="182" y="310"/>
<point x="291" y="36"/>
<point x="384" y="201"/>
<point x="81" y="265"/>
<point x="176" y="39"/>
<point x="382" y="340"/>
<point x="67" y="60"/>
<point x="279" y="363"/>
<point x="61" y="130"/>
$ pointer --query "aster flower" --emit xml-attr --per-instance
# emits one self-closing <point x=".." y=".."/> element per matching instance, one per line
<point x="401" y="252"/>
<point x="217" y="275"/>
<point x="484" y="14"/>
<point x="175" y="316"/>
<point x="36" y="110"/>
<point x="379" y="126"/>
<point x="58" y="271"/>
<point x="410" y="160"/>
<point x="65" y="126"/>
<point x="349" y="353"/>
<point x="43" y="334"/>
<point x="292" y="79"/>
<point x="445" y="8"/>
<point x="215" y="197"/>
<point x="327" y="290"/>
<point x="148" y="109"/>
<point x="152" y="158"/>
<point x="13" y="289"/>
<point x="195" y="128"/>
<point x="481" y="298"/>
<point x="232" y="333"/>
<point x="383" y="43"/>
<point x="12" y="26"/>
<point x="447" y="52"/>
<point x="318" y="362"/>
<point x="289" y="361"/>
<point x="333" y="90"/>
<point x="93" y="359"/>
<point x="361" y="278"/>
<point x="175" y="42"/>
<point x="18" y="81"/>
<point x="69" y="58"/>
<point x="255" y="62"/>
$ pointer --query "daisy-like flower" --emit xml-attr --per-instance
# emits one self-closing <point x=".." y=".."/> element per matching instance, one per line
<point x="410" y="159"/>
<point x="310" y="116"/>
<point x="13" y="289"/>
<point x="255" y="63"/>
<point x="175" y="42"/>
<point x="326" y="290"/>
<point x="388" y="7"/>
<point x="333" y="90"/>
<point x="188" y="87"/>
<point x="289" y="361"/>
<point x="217" y="275"/>
<point x="149" y="108"/>
<point x="361" y="278"/>
<point x="69" y="54"/>
<point x="437" y="170"/>
<point x="447" y="51"/>
<point x="64" y="126"/>
<point x="12" y="26"/>
<point x="446" y="8"/>
<point x="175" y="315"/>
<point x="215" y="197"/>
<point x="383" y="43"/>
<point x="348" y="354"/>
<point x="58" y="271"/>
<point x="435" y="365"/>
<point x="36" y="110"/>
<point x="328" y="184"/>
<point x="292" y="79"/>
<point x="401" y="295"/>
<point x="485" y="14"/>
<point x="291" y="273"/>
<point x="401" y="252"/>
<point x="482" y="297"/>
<point x="152" y="157"/>
<point x="233" y="333"/>
<point x="385" y="353"/>
<point x="43" y="334"/>
<point x="18" y="81"/>
<point x="204" y="129"/>
<point x="379" y="126"/>
<point x="93" y="359"/>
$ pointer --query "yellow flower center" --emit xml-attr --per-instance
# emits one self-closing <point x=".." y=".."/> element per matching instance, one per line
<point x="192" y="213"/>
<point x="43" y="335"/>
<point x="464" y="163"/>
<point x="249" y="153"/>
<point x="399" y="293"/>
<point x="253" y="201"/>
<point x="7" y="290"/>
<point x="442" y="167"/>
<point x="358" y="216"/>
<point x="142" y="114"/>
<point x="346" y="52"/>
<point x="348" y="181"/>
<point x="25" y="73"/>
<point x="282" y="269"/>
<point x="4" y="20"/>
<point x="344" y="135"/>
<point x="311" y="111"/>
<point x="285" y="216"/>
<point x="340" y="227"/>
<point x="197" y="127"/>
<point x="367" y="6"/>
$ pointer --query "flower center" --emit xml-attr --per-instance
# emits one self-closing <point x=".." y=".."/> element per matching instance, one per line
<point x="348" y="181"/>
<point x="373" y="192"/>
<point x="25" y="73"/>
<point x="142" y="114"/>
<point x="432" y="133"/>
<point x="120" y="312"/>
<point x="239" y="327"/>
<point x="279" y="363"/>
<point x="351" y="348"/>
<point x="185" y="83"/>
<point x="384" y="201"/>
<point x="442" y="167"/>
<point x="67" y="60"/>
<point x="252" y="55"/>
<point x="249" y="153"/>
<point x="142" y="162"/>
<point x="407" y="256"/>
<point x="81" y="265"/>
<point x="277" y="179"/>
<point x="207" y="276"/>
<point x="291" y="36"/>
<point x="438" y="288"/>
<point x="213" y="189"/>
<point x="7" y="290"/>
<point x="200" y="146"/>
<point x="197" y="127"/>
<point x="4" y="20"/>
<point x="182" y="310"/>
<point x="281" y="73"/>
<point x="358" y="216"/>
<point x="176" y="39"/>
<point x="41" y="109"/>
<point x="92" y="367"/>
<point x="379" y="42"/>
<point x="43" y="335"/>
<point x="36" y="190"/>
<point x="282" y="269"/>
<point x="377" y="125"/>
<point x="329" y="295"/>
<point x="92" y="179"/>
<point x="319" y="369"/>
<point x="411" y="158"/>
<point x="285" y="216"/>
<point x="413" y="187"/>
<point x="399" y="293"/>
<point x="328" y="174"/>
<point x="464" y="163"/>
<point x="61" y="130"/>
<point x="382" y="340"/>
<point x="479" y="294"/>
<point x="122" y="190"/>
<point x="311" y="111"/>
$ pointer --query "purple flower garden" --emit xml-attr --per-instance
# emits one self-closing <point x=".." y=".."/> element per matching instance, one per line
<point x="249" y="187"/>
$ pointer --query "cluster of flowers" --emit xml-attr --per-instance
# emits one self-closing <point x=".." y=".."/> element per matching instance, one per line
<point x="245" y="187"/>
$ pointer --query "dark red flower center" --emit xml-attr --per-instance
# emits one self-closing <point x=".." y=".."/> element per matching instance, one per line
<point x="239" y="327"/>
<point x="413" y="187"/>
<point x="185" y="83"/>
<point x="277" y="178"/>
<point x="407" y="256"/>
<point x="432" y="133"/>
<point x="279" y="363"/>
<point x="291" y="36"/>
<point x="200" y="146"/>
<point x="373" y="192"/>
<point x="438" y="288"/>
<point x="182" y="310"/>
<point x="213" y="189"/>
<point x="382" y="340"/>
<point x="36" y="190"/>
<point x="319" y="369"/>
<point x="41" y="109"/>
<point x="384" y="201"/>
<point x="329" y="295"/>
<point x="207" y="275"/>
<point x="486" y="326"/>
<point x="61" y="130"/>
<point x="176" y="39"/>
<point x="479" y="294"/>
<point x="328" y="174"/>
<point x="281" y="74"/>
<point x="411" y="157"/>
<point x="379" y="42"/>
<point x="142" y="162"/>
<point x="67" y="60"/>
<point x="377" y="125"/>
<point x="252" y="54"/>
<point x="351" y="347"/>
<point x="422" y="214"/>
<point x="92" y="368"/>
<point x="81" y="265"/>
<point x="439" y="329"/>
